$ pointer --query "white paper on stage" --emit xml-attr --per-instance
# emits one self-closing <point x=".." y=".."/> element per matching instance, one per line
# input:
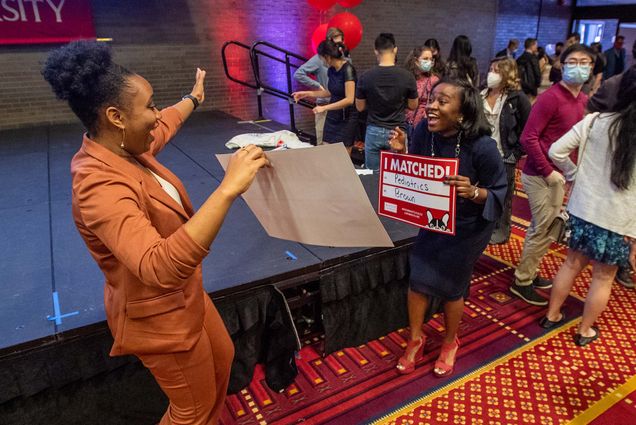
<point x="314" y="196"/>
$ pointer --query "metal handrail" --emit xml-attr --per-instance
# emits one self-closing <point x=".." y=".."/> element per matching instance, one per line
<point x="262" y="87"/>
<point x="226" y="69"/>
<point x="255" y="52"/>
<point x="259" y="90"/>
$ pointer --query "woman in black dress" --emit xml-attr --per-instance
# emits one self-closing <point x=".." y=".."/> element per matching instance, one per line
<point x="441" y="264"/>
<point x="341" y="122"/>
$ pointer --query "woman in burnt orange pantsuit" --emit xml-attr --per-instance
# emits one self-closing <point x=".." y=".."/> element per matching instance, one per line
<point x="139" y="226"/>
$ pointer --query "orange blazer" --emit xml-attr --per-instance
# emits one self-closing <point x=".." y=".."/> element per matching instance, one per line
<point x="153" y="296"/>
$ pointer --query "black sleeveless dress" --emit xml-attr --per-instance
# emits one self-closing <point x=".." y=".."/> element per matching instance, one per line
<point x="340" y="125"/>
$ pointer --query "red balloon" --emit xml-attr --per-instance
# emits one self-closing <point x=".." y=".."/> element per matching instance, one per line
<point x="319" y="35"/>
<point x="322" y="4"/>
<point x="350" y="26"/>
<point x="349" y="3"/>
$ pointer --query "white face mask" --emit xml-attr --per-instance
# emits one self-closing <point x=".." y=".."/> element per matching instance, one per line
<point x="493" y="80"/>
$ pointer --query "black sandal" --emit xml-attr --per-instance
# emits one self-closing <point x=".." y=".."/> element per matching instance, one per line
<point x="581" y="340"/>
<point x="546" y="323"/>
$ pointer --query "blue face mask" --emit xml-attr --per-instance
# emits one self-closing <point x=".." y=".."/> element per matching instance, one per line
<point x="425" y="65"/>
<point x="576" y="74"/>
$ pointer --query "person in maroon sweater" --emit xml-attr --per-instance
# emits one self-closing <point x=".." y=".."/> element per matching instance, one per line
<point x="553" y="114"/>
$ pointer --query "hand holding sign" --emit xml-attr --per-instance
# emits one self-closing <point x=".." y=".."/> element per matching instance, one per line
<point x="465" y="188"/>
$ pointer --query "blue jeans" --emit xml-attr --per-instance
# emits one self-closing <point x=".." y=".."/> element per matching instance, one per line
<point x="375" y="140"/>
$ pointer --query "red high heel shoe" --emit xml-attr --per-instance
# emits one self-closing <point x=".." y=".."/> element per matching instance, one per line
<point x="406" y="366"/>
<point x="441" y="363"/>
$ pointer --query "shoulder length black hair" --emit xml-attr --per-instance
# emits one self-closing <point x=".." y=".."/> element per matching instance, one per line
<point x="461" y="50"/>
<point x="623" y="132"/>
<point x="460" y="62"/>
<point x="474" y="123"/>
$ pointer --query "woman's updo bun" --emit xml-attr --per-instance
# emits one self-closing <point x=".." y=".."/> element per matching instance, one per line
<point x="84" y="74"/>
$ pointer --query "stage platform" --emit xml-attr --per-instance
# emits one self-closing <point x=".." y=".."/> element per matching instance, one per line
<point x="52" y="291"/>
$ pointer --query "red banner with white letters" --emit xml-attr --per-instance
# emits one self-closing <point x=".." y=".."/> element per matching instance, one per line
<point x="45" y="21"/>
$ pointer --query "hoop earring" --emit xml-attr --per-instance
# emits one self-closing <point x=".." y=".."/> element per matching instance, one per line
<point x="123" y="137"/>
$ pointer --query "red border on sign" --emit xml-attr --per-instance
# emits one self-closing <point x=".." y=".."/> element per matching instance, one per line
<point x="452" y="162"/>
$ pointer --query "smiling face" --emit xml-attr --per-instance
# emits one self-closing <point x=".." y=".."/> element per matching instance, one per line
<point x="444" y="109"/>
<point x="140" y="116"/>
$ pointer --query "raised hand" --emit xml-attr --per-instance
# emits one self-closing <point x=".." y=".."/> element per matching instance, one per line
<point x="198" y="90"/>
<point x="397" y="140"/>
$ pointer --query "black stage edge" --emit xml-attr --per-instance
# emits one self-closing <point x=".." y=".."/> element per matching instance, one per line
<point x="62" y="373"/>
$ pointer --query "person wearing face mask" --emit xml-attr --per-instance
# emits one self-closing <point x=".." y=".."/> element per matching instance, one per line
<point x="441" y="265"/>
<point x="341" y="122"/>
<point x="421" y="63"/>
<point x="507" y="109"/>
<point x="439" y="66"/>
<point x="317" y="69"/>
<point x="554" y="113"/>
<point x="510" y="51"/>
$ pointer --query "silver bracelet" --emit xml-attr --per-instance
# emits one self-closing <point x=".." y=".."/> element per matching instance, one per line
<point x="476" y="194"/>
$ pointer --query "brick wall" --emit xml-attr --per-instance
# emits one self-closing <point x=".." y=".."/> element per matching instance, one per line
<point x="545" y="20"/>
<point x="165" y="40"/>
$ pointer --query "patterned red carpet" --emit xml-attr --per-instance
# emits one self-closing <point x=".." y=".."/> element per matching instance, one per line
<point x="508" y="371"/>
<point x="618" y="407"/>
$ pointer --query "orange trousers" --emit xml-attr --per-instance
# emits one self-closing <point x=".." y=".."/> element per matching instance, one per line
<point x="196" y="381"/>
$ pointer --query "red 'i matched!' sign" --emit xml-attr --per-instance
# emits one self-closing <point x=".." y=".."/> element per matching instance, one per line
<point x="412" y="190"/>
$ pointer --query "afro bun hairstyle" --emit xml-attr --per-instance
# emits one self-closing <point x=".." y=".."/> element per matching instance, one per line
<point x="84" y="74"/>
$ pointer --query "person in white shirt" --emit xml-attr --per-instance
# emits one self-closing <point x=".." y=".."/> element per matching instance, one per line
<point x="507" y="109"/>
<point x="601" y="206"/>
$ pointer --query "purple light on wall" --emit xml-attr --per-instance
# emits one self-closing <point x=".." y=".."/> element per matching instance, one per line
<point x="289" y="33"/>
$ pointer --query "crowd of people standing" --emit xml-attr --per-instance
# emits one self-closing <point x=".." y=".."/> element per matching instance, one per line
<point x="530" y="107"/>
<point x="150" y="247"/>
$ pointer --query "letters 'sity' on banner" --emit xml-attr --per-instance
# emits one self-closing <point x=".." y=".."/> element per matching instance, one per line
<point x="45" y="21"/>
